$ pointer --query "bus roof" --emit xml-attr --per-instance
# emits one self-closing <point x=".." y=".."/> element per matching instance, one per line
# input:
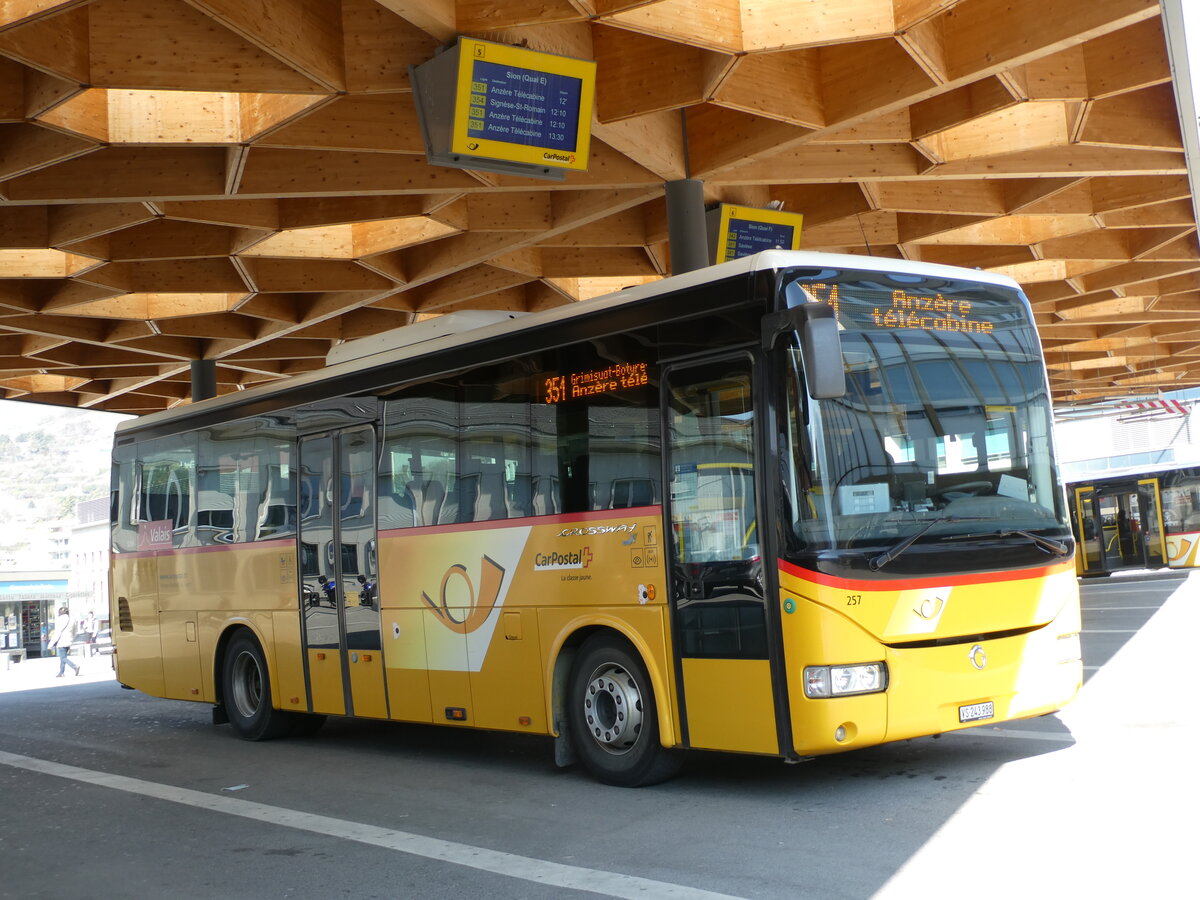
<point x="769" y="260"/>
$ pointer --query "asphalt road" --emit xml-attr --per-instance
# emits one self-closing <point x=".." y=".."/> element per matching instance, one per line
<point x="106" y="792"/>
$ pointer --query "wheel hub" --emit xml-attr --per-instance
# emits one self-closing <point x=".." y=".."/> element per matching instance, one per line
<point x="247" y="685"/>
<point x="612" y="708"/>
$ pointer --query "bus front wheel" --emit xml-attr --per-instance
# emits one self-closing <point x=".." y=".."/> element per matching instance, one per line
<point x="613" y="716"/>
<point x="247" y="692"/>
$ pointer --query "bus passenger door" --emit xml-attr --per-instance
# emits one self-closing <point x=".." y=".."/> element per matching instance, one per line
<point x="339" y="574"/>
<point x="715" y="564"/>
<point x="1090" y="532"/>
<point x="1150" y="515"/>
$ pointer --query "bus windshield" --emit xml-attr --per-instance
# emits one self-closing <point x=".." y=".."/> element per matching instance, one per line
<point x="946" y="417"/>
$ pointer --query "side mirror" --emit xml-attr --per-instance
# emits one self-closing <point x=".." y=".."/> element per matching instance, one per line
<point x="820" y="345"/>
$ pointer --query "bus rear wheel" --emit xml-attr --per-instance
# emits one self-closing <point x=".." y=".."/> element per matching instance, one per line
<point x="247" y="692"/>
<point x="613" y="716"/>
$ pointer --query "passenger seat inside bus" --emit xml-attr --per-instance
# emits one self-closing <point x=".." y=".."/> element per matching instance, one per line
<point x="428" y="496"/>
<point x="491" y="497"/>
<point x="545" y="496"/>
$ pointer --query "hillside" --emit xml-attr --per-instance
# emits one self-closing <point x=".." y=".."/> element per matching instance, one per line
<point x="50" y="460"/>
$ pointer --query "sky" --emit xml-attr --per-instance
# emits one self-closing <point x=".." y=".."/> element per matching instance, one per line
<point x="16" y="417"/>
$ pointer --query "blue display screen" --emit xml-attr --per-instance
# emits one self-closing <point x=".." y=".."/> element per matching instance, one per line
<point x="745" y="238"/>
<point x="524" y="106"/>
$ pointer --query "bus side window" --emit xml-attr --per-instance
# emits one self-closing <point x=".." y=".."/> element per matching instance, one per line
<point x="277" y="486"/>
<point x="167" y="476"/>
<point x="396" y="505"/>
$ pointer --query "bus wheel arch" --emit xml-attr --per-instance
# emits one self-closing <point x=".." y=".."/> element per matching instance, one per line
<point x="612" y="713"/>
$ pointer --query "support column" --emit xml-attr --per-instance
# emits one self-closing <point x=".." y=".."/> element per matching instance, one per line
<point x="686" y="227"/>
<point x="204" y="379"/>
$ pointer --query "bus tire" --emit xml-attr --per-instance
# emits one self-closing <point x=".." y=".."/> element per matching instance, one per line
<point x="246" y="687"/>
<point x="613" y="716"/>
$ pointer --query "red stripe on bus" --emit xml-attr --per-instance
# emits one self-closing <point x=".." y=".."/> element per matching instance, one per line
<point x="557" y="519"/>
<point x="208" y="548"/>
<point x="911" y="584"/>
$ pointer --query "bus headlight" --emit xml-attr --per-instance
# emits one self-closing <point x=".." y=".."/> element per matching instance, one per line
<point x="840" y="681"/>
<point x="1068" y="647"/>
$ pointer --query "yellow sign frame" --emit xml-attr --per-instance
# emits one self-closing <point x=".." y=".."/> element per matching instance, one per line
<point x="751" y="214"/>
<point x="465" y="144"/>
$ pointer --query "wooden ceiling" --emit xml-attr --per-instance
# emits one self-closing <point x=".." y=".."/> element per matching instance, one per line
<point x="244" y="180"/>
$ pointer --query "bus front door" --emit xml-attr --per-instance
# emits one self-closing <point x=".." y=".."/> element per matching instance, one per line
<point x="715" y="564"/>
<point x="339" y="574"/>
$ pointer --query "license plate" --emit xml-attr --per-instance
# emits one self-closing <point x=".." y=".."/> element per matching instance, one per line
<point x="976" y="711"/>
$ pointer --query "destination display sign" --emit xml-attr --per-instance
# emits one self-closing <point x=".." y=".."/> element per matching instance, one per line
<point x="609" y="380"/>
<point x="860" y="307"/>
<point x="521" y="106"/>
<point x="743" y="231"/>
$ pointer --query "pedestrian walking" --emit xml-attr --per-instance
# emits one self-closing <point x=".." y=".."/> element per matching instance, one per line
<point x="90" y="626"/>
<point x="60" y="641"/>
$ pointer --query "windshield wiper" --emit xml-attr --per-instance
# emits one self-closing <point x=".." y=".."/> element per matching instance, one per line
<point x="1057" y="548"/>
<point x="875" y="563"/>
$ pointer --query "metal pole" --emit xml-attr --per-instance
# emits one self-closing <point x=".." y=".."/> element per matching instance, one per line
<point x="204" y="379"/>
<point x="686" y="228"/>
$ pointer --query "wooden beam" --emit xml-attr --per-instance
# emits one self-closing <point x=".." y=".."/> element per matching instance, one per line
<point x="783" y="86"/>
<point x="822" y="163"/>
<point x="295" y="173"/>
<point x="982" y="198"/>
<point x="813" y="23"/>
<point x="381" y="122"/>
<point x="56" y="44"/>
<point x="646" y="74"/>
<point x="234" y="213"/>
<point x="304" y="34"/>
<point x="167" y="239"/>
<point x="958" y="106"/>
<point x="191" y="52"/>
<point x="655" y="141"/>
<point x="1139" y="119"/>
<point x="123" y="173"/>
<point x="851" y="87"/>
<point x="1130" y="58"/>
<point x="437" y="17"/>
<point x="1068" y="162"/>
<point x="714" y="24"/>
<point x="990" y="33"/>
<point x="170" y="276"/>
<point x="28" y="148"/>
<point x="380" y="44"/>
<point x="1124" y="193"/>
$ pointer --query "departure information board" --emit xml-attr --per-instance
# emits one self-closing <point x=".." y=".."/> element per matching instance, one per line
<point x="744" y="231"/>
<point x="521" y="106"/>
<point x="524" y="106"/>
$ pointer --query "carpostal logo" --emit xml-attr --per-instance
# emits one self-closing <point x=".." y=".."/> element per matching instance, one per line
<point x="567" y="158"/>
<point x="577" y="559"/>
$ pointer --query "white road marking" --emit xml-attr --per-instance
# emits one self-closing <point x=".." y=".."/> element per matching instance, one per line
<point x="539" y="871"/>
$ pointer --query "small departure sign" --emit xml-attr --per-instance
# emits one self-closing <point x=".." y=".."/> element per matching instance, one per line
<point x="497" y="108"/>
<point x="743" y="231"/>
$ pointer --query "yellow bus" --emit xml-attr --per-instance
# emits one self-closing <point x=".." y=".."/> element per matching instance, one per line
<point x="1137" y="520"/>
<point x="789" y="505"/>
